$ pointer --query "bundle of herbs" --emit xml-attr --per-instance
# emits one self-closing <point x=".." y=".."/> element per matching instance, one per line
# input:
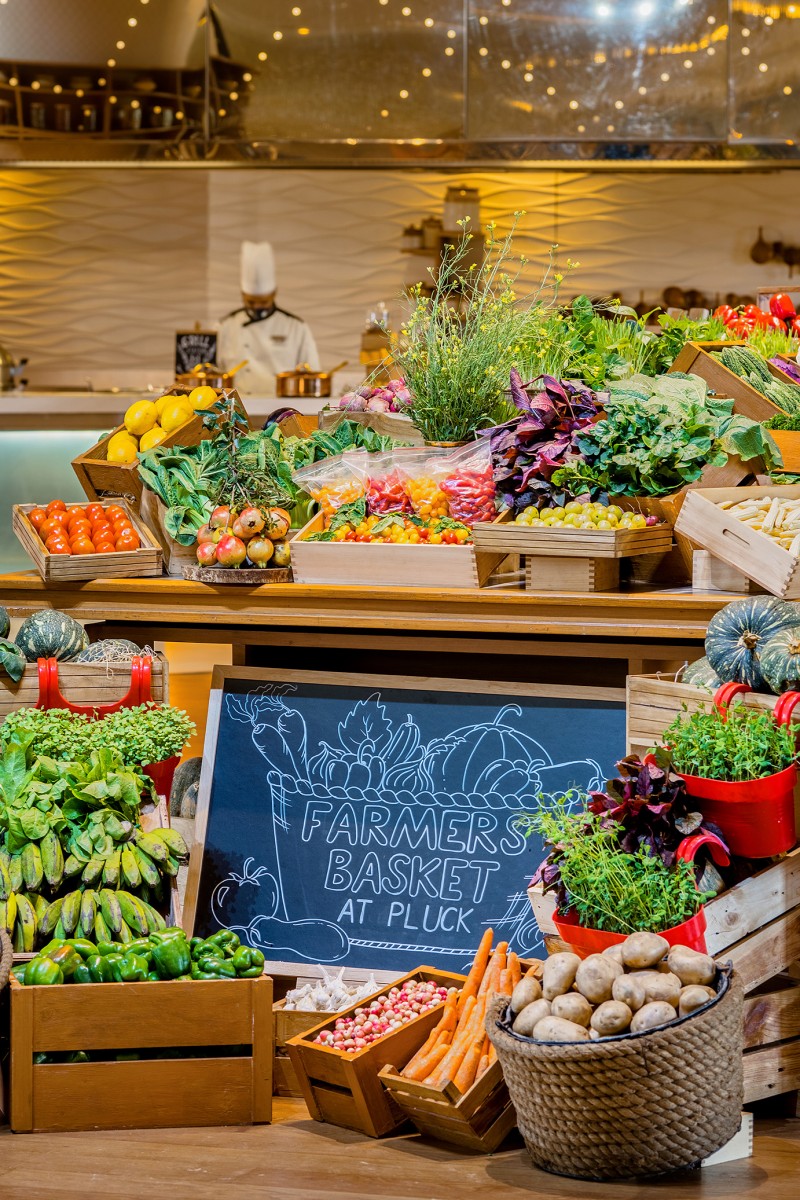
<point x="735" y="746"/>
<point x="146" y="734"/>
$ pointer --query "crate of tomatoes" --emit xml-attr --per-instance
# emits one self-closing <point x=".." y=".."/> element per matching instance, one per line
<point x="86" y="541"/>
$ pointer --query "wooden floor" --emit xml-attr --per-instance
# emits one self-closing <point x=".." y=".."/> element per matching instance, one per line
<point x="298" y="1159"/>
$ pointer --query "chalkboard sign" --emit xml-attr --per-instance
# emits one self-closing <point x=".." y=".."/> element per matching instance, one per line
<point x="197" y="346"/>
<point x="370" y="822"/>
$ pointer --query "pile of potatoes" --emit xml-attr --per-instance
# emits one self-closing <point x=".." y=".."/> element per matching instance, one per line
<point x="641" y="983"/>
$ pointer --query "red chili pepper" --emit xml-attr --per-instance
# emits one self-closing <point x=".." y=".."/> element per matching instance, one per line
<point x="781" y="305"/>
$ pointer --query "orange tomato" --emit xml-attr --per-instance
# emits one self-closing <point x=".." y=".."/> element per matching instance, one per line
<point x="75" y="510"/>
<point x="99" y="528"/>
<point x="62" y="517"/>
<point x="37" y="517"/>
<point x="55" y="506"/>
<point x="79" y="525"/>
<point x="113" y="511"/>
<point x="49" y="526"/>
<point x="104" y="547"/>
<point x="82" y="545"/>
<point x="128" y="541"/>
<point x="59" y="547"/>
<point x="95" y="512"/>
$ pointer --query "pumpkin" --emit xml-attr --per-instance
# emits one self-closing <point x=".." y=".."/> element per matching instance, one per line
<point x="780" y="660"/>
<point x="701" y="674"/>
<point x="109" y="650"/>
<point x="51" y="634"/>
<point x="737" y="635"/>
<point x="5" y="623"/>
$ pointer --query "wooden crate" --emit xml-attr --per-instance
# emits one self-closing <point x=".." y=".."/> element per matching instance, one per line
<point x="748" y="550"/>
<point x="344" y="1089"/>
<point x="568" y="542"/>
<point x="653" y="702"/>
<point x="772" y="1039"/>
<point x="696" y="358"/>
<point x="70" y="568"/>
<point x="82" y="683"/>
<point x="288" y="1024"/>
<point x="149" y="1093"/>
<point x="176" y="557"/>
<point x="545" y="574"/>
<point x="98" y="477"/>
<point x="480" y="1119"/>
<point x="710" y="574"/>
<point x="374" y="565"/>
<point x="394" y="425"/>
<point x="788" y="442"/>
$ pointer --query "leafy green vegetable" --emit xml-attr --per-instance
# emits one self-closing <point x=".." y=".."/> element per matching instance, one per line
<point x="12" y="660"/>
<point x="146" y="734"/>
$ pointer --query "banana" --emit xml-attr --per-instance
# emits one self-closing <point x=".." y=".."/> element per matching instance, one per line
<point x="111" y="869"/>
<point x="130" y="869"/>
<point x="110" y="909"/>
<point x="5" y="857"/>
<point x="15" y="871"/>
<point x="26" y="923"/>
<point x="5" y="882"/>
<point x="52" y="859"/>
<point x="173" y="841"/>
<point x="11" y="911"/>
<point x="3" y="913"/>
<point x="18" y="938"/>
<point x="71" y="911"/>
<point x="153" y="846"/>
<point x="88" y="912"/>
<point x="32" y="869"/>
<point x="147" y="868"/>
<point x="60" y="932"/>
<point x="73" y="866"/>
<point x="171" y="866"/>
<point x="48" y="921"/>
<point x="125" y="933"/>
<point x="92" y="871"/>
<point x="153" y="918"/>
<point x="133" y="914"/>
<point x="102" y="933"/>
<point x="40" y="905"/>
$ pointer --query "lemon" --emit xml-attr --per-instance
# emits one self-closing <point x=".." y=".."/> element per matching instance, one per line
<point x="140" y="417"/>
<point x="202" y="397"/>
<point x="176" y="414"/>
<point x="162" y="402"/>
<point x="122" y="448"/>
<point x="153" y="437"/>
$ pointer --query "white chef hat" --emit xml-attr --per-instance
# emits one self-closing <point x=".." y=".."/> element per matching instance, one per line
<point x="257" y="269"/>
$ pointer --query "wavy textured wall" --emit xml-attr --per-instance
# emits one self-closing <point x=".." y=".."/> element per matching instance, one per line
<point x="98" y="267"/>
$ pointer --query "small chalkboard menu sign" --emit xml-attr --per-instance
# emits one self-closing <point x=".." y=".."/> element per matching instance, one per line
<point x="194" y="347"/>
<point x="371" y="822"/>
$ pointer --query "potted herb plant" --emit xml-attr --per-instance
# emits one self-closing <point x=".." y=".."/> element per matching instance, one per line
<point x="623" y="861"/>
<point x="739" y="764"/>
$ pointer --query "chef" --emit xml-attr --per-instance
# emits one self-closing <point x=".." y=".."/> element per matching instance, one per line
<point x="271" y="339"/>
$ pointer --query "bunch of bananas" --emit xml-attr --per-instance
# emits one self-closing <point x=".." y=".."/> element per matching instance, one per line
<point x="102" y="904"/>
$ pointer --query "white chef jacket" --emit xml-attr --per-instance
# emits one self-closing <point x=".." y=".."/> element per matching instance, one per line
<point x="279" y="342"/>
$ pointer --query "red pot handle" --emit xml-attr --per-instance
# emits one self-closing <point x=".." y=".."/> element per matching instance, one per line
<point x="784" y="709"/>
<point x="139" y="691"/>
<point x="690" y="845"/>
<point x="724" y="696"/>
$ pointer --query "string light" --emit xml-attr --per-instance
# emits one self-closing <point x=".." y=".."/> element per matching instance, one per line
<point x="36" y="85"/>
<point x="618" y="104"/>
<point x="551" y="91"/>
<point x="262" y="56"/>
<point x="483" y="21"/>
<point x="277" y="35"/>
<point x="505" y="64"/>
<point x="449" y="50"/>
<point x="642" y="91"/>
<point x="428" y="22"/>
<point x="222" y="112"/>
<point x="132" y="22"/>
<point x="610" y="128"/>
<point x="296" y="12"/>
<point x="135" y="104"/>
<point x="403" y="94"/>
<point x="687" y="62"/>
<point x="304" y="31"/>
<point x="13" y="81"/>
<point x="120" y="45"/>
<point x="112" y="62"/>
<point x="581" y="129"/>
<point x="246" y="77"/>
<point x="665" y="77"/>
<point x="787" y="91"/>
<point x="451" y="33"/>
<point x="528" y="77"/>
<point x="483" y="52"/>
<point x="384" y="112"/>
<point x="745" y="50"/>
<point x="763" y="67"/>
<point x="58" y="89"/>
<point x="233" y="95"/>
<point x="426" y="71"/>
<point x="574" y="104"/>
<point x="406" y="12"/>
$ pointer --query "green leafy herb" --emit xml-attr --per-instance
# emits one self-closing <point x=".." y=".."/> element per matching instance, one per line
<point x="745" y="744"/>
<point x="146" y="734"/>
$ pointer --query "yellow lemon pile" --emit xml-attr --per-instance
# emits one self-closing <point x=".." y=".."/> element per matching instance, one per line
<point x="147" y="423"/>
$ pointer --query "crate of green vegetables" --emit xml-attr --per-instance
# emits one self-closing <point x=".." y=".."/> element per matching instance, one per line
<point x="110" y="1037"/>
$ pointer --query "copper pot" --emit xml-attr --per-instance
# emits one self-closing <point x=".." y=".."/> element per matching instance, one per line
<point x="209" y="375"/>
<point x="302" y="381"/>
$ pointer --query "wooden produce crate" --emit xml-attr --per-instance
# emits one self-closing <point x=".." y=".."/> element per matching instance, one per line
<point x="772" y="1039"/>
<point x="344" y="1089"/>
<point x="696" y="358"/>
<point x="479" y="1119"/>
<point x="82" y="683"/>
<point x="98" y="477"/>
<point x="374" y="564"/>
<point x="148" y="1093"/>
<point x="176" y="557"/>
<point x="70" y="568"/>
<point x="710" y="574"/>
<point x="288" y="1023"/>
<point x="788" y="442"/>
<point x="748" y="550"/>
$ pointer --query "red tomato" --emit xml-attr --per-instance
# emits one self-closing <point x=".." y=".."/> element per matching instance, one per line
<point x="37" y="517"/>
<point x="49" y="526"/>
<point x="62" y="518"/>
<point x="59" y="547"/>
<point x="79" y="525"/>
<point x="104" y="547"/>
<point x="128" y="541"/>
<point x="75" y="510"/>
<point x="82" y="545"/>
<point x="99" y="527"/>
<point x="113" y="511"/>
<point x="56" y="536"/>
<point x="55" y="506"/>
<point x="95" y="511"/>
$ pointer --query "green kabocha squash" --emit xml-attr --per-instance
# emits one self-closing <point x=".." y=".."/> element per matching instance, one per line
<point x="701" y="674"/>
<point x="780" y="660"/>
<point x="51" y="634"/>
<point x="5" y="623"/>
<point x="738" y="633"/>
<point x="109" y="650"/>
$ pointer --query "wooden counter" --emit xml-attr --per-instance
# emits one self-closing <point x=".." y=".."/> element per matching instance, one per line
<point x="643" y="630"/>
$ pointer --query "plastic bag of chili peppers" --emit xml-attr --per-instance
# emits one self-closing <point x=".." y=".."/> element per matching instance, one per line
<point x="466" y="477"/>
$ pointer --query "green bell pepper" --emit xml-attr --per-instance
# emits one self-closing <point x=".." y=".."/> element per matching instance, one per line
<point x="172" y="957"/>
<point x="248" y="962"/>
<point x="43" y="972"/>
<point x="82" y="974"/>
<point x="163" y="935"/>
<point x="209" y="967"/>
<point x="83" y="946"/>
<point x="153" y="977"/>
<point x="226" y="940"/>
<point x="106" y="948"/>
<point x="99" y="968"/>
<point x="78" y="1056"/>
<point x="67" y="958"/>
<point x="131" y="968"/>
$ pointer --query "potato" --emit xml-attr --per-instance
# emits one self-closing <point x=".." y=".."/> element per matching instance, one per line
<point x="652" y="1015"/>
<point x="642" y="950"/>
<point x="531" y="1014"/>
<point x="691" y="966"/>
<point x="611" y="1017"/>
<point x="693" y="997"/>
<point x="595" y="977"/>
<point x="558" y="974"/>
<point x="555" y="1029"/>
<point x="526" y="991"/>
<point x="659" y="985"/>
<point x="629" y="990"/>
<point x="614" y="952"/>
<point x="573" y="1007"/>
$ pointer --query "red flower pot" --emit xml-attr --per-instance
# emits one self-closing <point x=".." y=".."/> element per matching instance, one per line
<point x="756" y="817"/>
<point x="162" y="774"/>
<point x="585" y="941"/>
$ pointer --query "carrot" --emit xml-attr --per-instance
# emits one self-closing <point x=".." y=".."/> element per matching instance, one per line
<point x="503" y="983"/>
<point x="448" y="1015"/>
<point x="492" y="1055"/>
<point x="465" y="1075"/>
<point x="483" y="1065"/>
<point x="423" y="1068"/>
<point x="478" y="968"/>
<point x="497" y="963"/>
<point x="515" y="969"/>
<point x="471" y="1020"/>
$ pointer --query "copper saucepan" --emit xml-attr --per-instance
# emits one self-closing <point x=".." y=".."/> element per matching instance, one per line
<point x="302" y="381"/>
<point x="210" y="375"/>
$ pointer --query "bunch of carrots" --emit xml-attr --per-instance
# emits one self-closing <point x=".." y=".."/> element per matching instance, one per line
<point x="458" y="1049"/>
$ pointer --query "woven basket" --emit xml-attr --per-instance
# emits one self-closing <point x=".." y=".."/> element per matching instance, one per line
<point x="6" y="958"/>
<point x="638" y="1104"/>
